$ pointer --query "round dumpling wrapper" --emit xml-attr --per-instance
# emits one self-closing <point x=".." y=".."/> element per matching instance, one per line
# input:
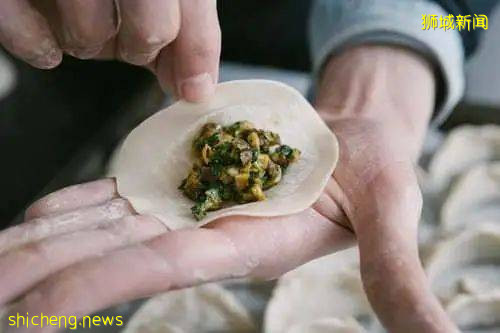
<point x="467" y="263"/>
<point x="329" y="325"/>
<point x="474" y="312"/>
<point x="473" y="199"/>
<point x="207" y="308"/>
<point x="156" y="156"/>
<point x="328" y="287"/>
<point x="465" y="147"/>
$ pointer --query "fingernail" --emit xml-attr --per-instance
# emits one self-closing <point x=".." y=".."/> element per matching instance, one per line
<point x="138" y="58"/>
<point x="197" y="88"/>
<point x="83" y="52"/>
<point x="48" y="60"/>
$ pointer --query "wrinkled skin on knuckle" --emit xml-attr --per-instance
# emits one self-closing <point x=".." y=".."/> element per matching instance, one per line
<point x="204" y="50"/>
<point x="247" y="261"/>
<point x="270" y="247"/>
<point x="83" y="35"/>
<point x="87" y="24"/>
<point x="241" y="253"/>
<point x="205" y="45"/>
<point x="396" y="184"/>
<point x="147" y="38"/>
<point x="374" y="169"/>
<point x="258" y="248"/>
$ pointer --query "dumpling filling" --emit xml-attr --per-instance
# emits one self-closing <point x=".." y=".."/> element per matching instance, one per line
<point x="234" y="164"/>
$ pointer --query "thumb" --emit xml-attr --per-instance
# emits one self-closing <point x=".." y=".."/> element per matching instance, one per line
<point x="392" y="274"/>
<point x="190" y="65"/>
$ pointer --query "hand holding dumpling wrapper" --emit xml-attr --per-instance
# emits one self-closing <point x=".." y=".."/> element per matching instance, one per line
<point x="156" y="156"/>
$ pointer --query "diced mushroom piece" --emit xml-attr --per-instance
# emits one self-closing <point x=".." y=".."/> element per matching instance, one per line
<point x="246" y="156"/>
<point x="241" y="144"/>
<point x="273" y="148"/>
<point x="275" y="174"/>
<point x="205" y="154"/>
<point x="268" y="139"/>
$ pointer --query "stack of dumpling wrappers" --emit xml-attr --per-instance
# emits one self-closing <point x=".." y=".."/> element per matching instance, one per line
<point x="460" y="248"/>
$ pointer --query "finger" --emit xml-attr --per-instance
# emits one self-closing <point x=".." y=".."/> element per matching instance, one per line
<point x="230" y="248"/>
<point x="274" y="246"/>
<point x="333" y="196"/>
<point x="164" y="70"/>
<point x="147" y="26"/>
<point x="196" y="52"/>
<point x="26" y="34"/>
<point x="73" y="197"/>
<point x="30" y="264"/>
<point x="392" y="274"/>
<point x="40" y="228"/>
<point x="86" y="25"/>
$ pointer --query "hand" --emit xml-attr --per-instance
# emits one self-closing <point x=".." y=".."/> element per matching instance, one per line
<point x="83" y="249"/>
<point x="373" y="192"/>
<point x="378" y="100"/>
<point x="179" y="40"/>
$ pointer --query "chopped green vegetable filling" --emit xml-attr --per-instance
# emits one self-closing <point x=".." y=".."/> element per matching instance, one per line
<point x="234" y="163"/>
